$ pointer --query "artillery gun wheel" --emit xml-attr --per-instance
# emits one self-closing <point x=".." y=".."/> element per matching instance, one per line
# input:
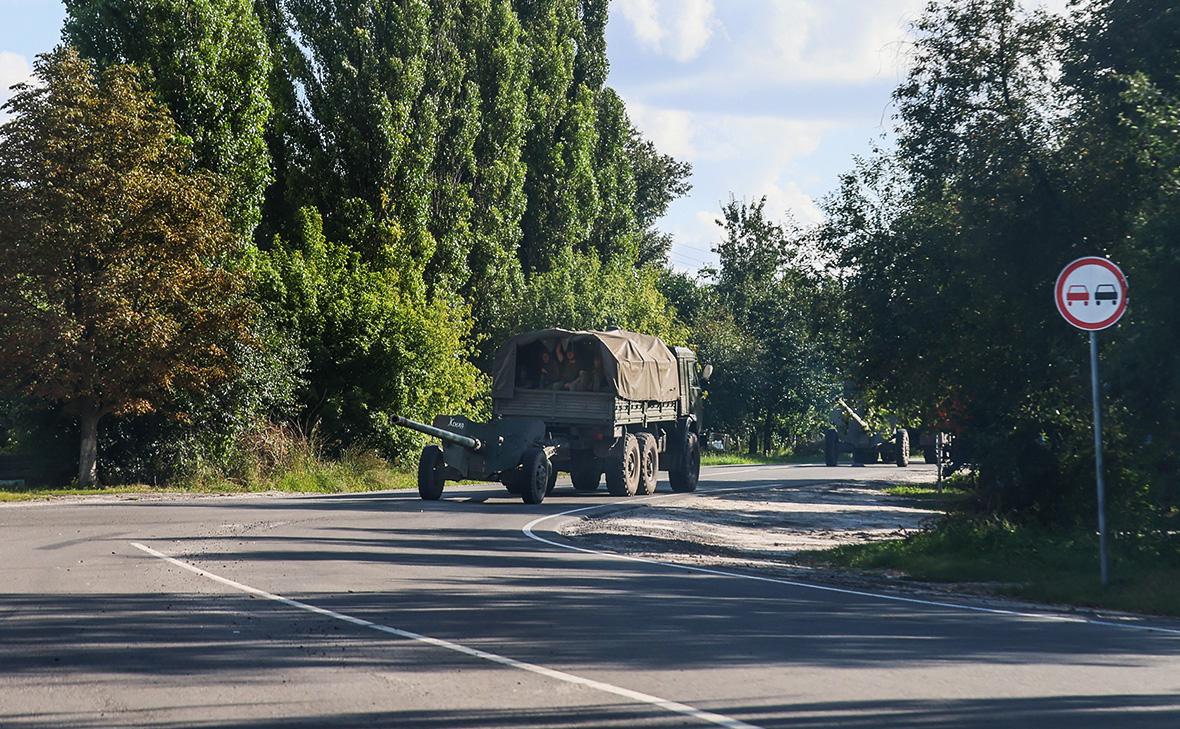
<point x="430" y="473"/>
<point x="831" y="447"/>
<point x="535" y="478"/>
<point x="622" y="467"/>
<point x="649" y="463"/>
<point x="929" y="454"/>
<point x="683" y="478"/>
<point x="552" y="480"/>
<point x="901" y="447"/>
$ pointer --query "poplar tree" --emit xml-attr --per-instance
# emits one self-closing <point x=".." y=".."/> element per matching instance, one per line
<point x="209" y="62"/>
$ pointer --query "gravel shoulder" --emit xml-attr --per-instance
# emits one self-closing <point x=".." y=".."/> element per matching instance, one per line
<point x="770" y="530"/>
<point x="766" y="526"/>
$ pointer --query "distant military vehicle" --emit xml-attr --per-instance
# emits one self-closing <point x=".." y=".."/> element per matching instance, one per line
<point x="864" y="443"/>
<point x="624" y="405"/>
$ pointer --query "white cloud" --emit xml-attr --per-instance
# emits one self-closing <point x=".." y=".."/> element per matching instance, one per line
<point x="672" y="130"/>
<point x="644" y="19"/>
<point x="14" y="69"/>
<point x="747" y="156"/>
<point x="679" y="29"/>
<point x="846" y="41"/>
<point x="789" y="197"/>
<point x="693" y="22"/>
<point x="697" y="136"/>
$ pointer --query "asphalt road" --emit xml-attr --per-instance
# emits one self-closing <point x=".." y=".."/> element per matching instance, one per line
<point x="382" y="610"/>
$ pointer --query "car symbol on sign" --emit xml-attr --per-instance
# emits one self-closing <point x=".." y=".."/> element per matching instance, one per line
<point x="1077" y="292"/>
<point x="1105" y="292"/>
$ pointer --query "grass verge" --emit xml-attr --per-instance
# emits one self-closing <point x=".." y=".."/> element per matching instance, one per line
<point x="737" y="459"/>
<point x="321" y="477"/>
<point x="1029" y="562"/>
<point x="929" y="496"/>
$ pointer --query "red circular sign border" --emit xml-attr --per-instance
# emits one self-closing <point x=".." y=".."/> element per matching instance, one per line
<point x="1108" y="265"/>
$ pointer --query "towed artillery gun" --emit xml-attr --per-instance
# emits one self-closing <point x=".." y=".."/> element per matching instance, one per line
<point x="864" y="443"/>
<point x="637" y="414"/>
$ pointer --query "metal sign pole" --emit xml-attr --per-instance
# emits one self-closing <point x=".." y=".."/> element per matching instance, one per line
<point x="1103" y="568"/>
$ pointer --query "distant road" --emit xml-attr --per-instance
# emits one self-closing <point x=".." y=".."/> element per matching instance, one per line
<point x="381" y="610"/>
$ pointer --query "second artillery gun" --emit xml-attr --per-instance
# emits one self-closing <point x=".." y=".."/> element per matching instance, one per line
<point x="864" y="443"/>
<point x="635" y="411"/>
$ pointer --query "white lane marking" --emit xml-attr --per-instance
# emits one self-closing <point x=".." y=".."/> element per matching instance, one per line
<point x="671" y="706"/>
<point x="527" y="529"/>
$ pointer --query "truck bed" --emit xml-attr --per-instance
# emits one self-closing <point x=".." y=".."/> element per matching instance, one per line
<point x="576" y="408"/>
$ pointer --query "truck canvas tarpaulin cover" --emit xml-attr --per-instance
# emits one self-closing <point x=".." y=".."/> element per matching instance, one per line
<point x="639" y="367"/>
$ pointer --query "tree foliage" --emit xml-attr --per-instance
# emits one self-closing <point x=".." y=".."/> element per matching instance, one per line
<point x="111" y="250"/>
<point x="768" y="330"/>
<point x="209" y="61"/>
<point x="374" y="347"/>
<point x="415" y="179"/>
<point x="1024" y="141"/>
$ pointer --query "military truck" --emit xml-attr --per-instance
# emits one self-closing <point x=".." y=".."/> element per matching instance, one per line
<point x="634" y="411"/>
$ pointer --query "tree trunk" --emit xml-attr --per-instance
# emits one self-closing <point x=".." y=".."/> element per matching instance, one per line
<point x="766" y="432"/>
<point x="88" y="453"/>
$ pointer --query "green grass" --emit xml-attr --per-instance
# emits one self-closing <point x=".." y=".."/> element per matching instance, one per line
<point x="736" y="459"/>
<point x="1030" y="563"/>
<point x="929" y="496"/>
<point x="321" y="477"/>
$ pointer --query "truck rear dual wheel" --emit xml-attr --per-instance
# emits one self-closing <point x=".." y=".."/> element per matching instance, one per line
<point x="430" y="473"/>
<point x="622" y="467"/>
<point x="649" y="464"/>
<point x="684" y="476"/>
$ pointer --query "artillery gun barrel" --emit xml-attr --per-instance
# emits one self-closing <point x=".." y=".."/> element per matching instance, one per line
<point x="852" y="414"/>
<point x="446" y="436"/>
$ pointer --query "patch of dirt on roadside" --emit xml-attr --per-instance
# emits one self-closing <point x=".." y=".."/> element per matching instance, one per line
<point x="763" y="527"/>
<point x="769" y="531"/>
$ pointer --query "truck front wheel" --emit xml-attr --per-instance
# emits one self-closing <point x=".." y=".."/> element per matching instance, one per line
<point x="430" y="473"/>
<point x="683" y="478"/>
<point x="622" y="467"/>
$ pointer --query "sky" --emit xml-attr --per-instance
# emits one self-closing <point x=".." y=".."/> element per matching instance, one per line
<point x="766" y="98"/>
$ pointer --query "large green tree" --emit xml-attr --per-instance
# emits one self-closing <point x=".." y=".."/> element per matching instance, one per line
<point x="374" y="348"/>
<point x="1024" y="141"/>
<point x="210" y="62"/>
<point x="767" y="330"/>
<point x="1122" y="67"/>
<point x="559" y="148"/>
<point x="111" y="251"/>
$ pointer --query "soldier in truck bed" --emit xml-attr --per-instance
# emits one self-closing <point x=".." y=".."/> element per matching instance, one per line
<point x="568" y="368"/>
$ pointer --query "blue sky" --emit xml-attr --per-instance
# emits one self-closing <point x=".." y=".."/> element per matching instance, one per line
<point x="763" y="97"/>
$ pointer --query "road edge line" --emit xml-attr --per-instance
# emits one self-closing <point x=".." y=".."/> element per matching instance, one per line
<point x="528" y="531"/>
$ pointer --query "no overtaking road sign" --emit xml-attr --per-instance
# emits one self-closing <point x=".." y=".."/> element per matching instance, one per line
<point x="1091" y="293"/>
